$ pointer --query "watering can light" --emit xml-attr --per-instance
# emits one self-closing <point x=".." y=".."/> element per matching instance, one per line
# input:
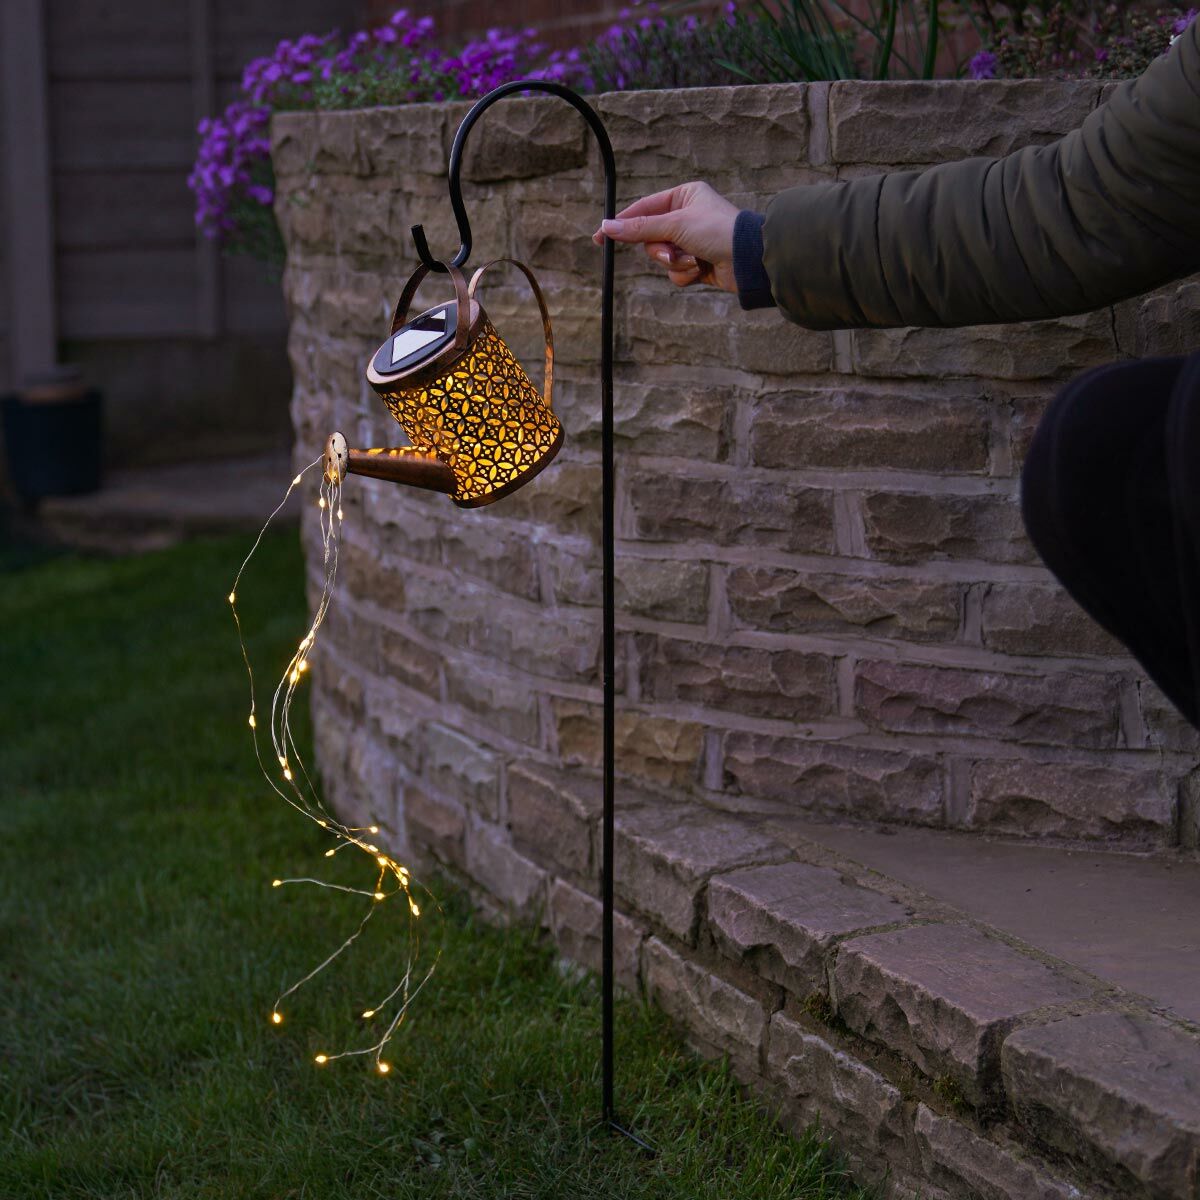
<point x="478" y="426"/>
<point x="479" y="429"/>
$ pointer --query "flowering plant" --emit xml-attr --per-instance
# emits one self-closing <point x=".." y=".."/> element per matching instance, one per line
<point x="400" y="62"/>
<point x="396" y="63"/>
<point x="647" y="48"/>
<point x="1058" y="38"/>
<point x="758" y="42"/>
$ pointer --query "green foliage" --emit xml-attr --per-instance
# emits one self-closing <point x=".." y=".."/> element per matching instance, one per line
<point x="1058" y="38"/>
<point x="818" y="1006"/>
<point x="256" y="232"/>
<point x="799" y="41"/>
<point x="663" y="49"/>
<point x="821" y="40"/>
<point x="143" y="947"/>
<point x="948" y="1090"/>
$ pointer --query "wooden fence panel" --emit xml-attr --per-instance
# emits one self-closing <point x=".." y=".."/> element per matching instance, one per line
<point x="127" y="293"/>
<point x="128" y="81"/>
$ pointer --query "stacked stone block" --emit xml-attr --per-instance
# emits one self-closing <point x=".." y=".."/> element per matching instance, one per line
<point x="826" y="606"/>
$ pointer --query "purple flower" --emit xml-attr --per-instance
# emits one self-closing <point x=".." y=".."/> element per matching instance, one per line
<point x="1181" y="25"/>
<point x="983" y="65"/>
<point x="397" y="60"/>
<point x="1101" y="55"/>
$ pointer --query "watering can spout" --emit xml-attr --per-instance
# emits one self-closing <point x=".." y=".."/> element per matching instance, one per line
<point x="399" y="464"/>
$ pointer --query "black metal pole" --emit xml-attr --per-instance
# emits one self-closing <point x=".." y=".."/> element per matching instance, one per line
<point x="608" y="529"/>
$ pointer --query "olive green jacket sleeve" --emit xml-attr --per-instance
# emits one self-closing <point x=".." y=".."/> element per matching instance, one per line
<point x="1107" y="212"/>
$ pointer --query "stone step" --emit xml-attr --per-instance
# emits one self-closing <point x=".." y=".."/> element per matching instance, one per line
<point x="1068" y="1055"/>
<point x="969" y="1019"/>
<point x="1118" y="1086"/>
<point x="152" y="507"/>
<point x="1128" y="919"/>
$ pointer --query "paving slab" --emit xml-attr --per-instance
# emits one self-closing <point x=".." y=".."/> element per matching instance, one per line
<point x="663" y="856"/>
<point x="1130" y="920"/>
<point x="783" y="919"/>
<point x="944" y="996"/>
<point x="152" y="507"/>
<point x="1120" y="1089"/>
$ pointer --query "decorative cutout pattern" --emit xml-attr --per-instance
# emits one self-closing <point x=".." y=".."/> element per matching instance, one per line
<point x="483" y="416"/>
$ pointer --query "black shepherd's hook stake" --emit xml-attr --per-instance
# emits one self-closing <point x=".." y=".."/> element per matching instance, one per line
<point x="607" y="531"/>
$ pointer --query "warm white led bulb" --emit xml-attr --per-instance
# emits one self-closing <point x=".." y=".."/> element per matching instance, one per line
<point x="329" y="501"/>
<point x="412" y="904"/>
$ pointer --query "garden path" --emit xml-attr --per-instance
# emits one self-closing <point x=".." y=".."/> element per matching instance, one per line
<point x="153" y="507"/>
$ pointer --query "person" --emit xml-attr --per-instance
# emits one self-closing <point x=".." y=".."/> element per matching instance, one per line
<point x="1111" y="485"/>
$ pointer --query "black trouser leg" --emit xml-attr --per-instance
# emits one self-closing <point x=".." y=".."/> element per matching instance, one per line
<point x="1096" y="498"/>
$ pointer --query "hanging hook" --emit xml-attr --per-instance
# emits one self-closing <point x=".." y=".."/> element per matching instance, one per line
<point x="456" y="155"/>
<point x="607" y="519"/>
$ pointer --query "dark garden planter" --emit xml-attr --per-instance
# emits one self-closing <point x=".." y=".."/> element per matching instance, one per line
<point x="53" y="442"/>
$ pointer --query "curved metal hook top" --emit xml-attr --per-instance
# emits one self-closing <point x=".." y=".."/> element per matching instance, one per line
<point x="573" y="98"/>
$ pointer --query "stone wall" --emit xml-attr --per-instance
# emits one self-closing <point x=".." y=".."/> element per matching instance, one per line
<point x="827" y="602"/>
<point x="827" y="606"/>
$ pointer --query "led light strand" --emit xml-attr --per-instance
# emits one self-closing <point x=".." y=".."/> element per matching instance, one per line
<point x="298" y="790"/>
<point x="333" y="887"/>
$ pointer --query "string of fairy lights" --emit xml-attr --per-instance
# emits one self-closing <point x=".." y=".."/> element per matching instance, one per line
<point x="288" y="777"/>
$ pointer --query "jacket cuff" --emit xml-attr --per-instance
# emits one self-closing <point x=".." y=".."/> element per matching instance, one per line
<point x="753" y="283"/>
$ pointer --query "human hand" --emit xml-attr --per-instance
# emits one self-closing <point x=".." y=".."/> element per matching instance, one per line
<point x="686" y="229"/>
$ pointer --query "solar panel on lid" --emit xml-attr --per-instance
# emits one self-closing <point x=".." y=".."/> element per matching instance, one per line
<point x="409" y="341"/>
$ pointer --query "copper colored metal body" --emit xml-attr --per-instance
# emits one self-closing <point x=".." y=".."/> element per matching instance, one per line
<point x="478" y="425"/>
<point x="403" y="464"/>
<point x="396" y="464"/>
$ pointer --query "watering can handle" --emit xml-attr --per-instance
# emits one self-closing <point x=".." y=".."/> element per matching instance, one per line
<point x="462" y="328"/>
<point x="548" y="383"/>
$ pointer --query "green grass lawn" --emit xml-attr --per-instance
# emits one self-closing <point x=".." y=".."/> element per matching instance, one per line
<point x="142" y="946"/>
